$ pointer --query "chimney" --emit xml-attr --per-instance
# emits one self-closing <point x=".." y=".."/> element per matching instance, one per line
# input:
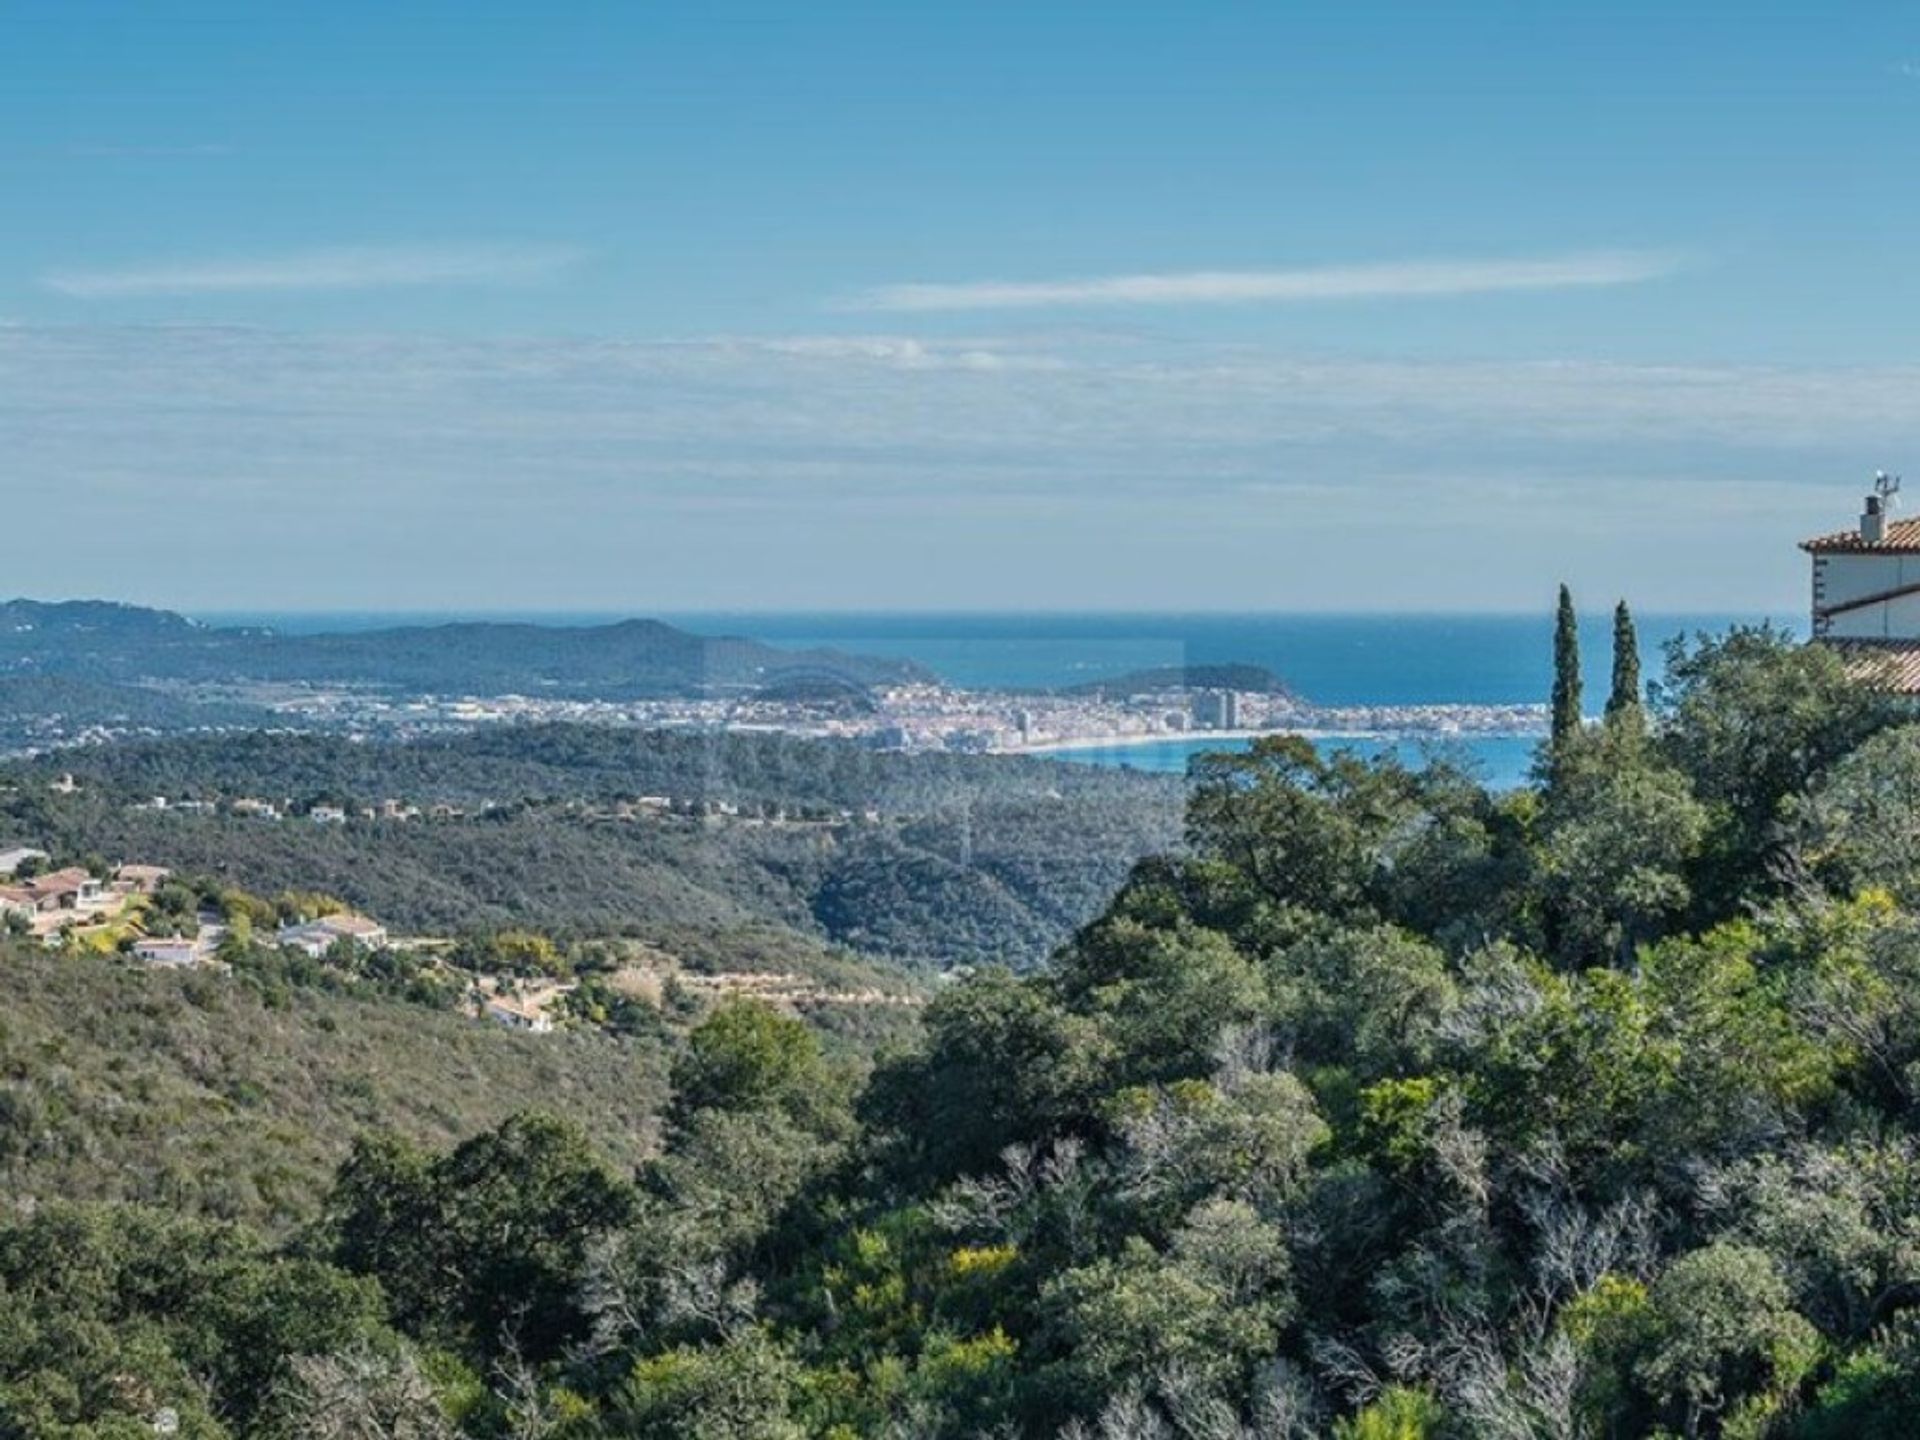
<point x="1873" y="520"/>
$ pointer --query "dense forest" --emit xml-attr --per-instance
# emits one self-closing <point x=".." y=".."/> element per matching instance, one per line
<point x="1388" y="1109"/>
<point x="941" y="859"/>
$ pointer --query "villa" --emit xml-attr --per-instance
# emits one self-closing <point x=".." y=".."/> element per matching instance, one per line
<point x="1866" y="593"/>
<point x="317" y="937"/>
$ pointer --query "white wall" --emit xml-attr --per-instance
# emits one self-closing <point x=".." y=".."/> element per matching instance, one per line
<point x="1840" y="578"/>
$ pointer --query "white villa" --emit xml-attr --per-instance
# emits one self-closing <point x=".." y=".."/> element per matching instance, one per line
<point x="172" y="950"/>
<point x="1866" y="593"/>
<point x="317" y="937"/>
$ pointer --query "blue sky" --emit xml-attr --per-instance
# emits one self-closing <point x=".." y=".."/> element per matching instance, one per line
<point x="653" y="307"/>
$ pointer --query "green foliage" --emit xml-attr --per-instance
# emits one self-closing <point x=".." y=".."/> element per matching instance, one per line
<point x="1391" y="1110"/>
<point x="236" y="1097"/>
<point x="1859" y="826"/>
<point x="1724" y="1333"/>
<point x="117" y="1318"/>
<point x="1752" y="719"/>
<point x="746" y="1056"/>
<point x="1874" y="1393"/>
<point x="1567" y="712"/>
<point x="1618" y="832"/>
<point x="1002" y="1061"/>
<point x="739" y="1390"/>
<point x="487" y="1245"/>
<point x="1624" y="698"/>
<point x="1400" y="1413"/>
<point x="1141" y="1311"/>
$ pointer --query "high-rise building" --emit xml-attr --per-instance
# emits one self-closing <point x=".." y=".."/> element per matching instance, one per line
<point x="1216" y="710"/>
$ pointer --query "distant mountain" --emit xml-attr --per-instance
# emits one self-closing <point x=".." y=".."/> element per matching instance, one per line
<point x="38" y="710"/>
<point x="632" y="659"/>
<point x="1253" y="679"/>
<point x="36" y="627"/>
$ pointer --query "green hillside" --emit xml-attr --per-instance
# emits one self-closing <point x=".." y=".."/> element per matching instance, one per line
<point x="935" y="859"/>
<point x="192" y="1092"/>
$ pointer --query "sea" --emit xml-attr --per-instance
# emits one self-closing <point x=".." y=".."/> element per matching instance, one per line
<point x="1331" y="659"/>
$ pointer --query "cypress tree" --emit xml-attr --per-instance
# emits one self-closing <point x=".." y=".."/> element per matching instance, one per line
<point x="1623" y="705"/>
<point x="1566" y="671"/>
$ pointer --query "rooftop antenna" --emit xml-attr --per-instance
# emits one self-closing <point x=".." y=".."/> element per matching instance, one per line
<point x="1886" y="486"/>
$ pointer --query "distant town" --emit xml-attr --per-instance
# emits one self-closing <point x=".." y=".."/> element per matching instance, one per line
<point x="81" y="672"/>
<point x="911" y="717"/>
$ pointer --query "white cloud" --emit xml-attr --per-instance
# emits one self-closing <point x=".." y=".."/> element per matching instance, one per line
<point x="1333" y="282"/>
<point x="348" y="268"/>
<point x="900" y="470"/>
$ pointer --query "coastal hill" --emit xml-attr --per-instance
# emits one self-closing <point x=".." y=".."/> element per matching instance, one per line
<point x="630" y="659"/>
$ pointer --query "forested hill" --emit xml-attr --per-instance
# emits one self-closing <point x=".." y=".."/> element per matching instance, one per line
<point x="101" y="641"/>
<point x="586" y="762"/>
<point x="1395" y="1110"/>
<point x="944" y="859"/>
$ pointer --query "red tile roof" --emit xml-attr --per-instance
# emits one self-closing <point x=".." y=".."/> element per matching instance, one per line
<point x="59" y="882"/>
<point x="1902" y="537"/>
<point x="1890" y="665"/>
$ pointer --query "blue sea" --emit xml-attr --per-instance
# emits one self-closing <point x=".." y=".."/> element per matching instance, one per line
<point x="1501" y="761"/>
<point x="1329" y="659"/>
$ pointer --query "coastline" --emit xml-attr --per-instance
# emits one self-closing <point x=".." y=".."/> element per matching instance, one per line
<point x="1106" y="742"/>
<point x="1202" y="737"/>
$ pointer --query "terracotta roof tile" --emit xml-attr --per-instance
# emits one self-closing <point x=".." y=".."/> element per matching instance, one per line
<point x="1902" y="537"/>
<point x="1891" y="665"/>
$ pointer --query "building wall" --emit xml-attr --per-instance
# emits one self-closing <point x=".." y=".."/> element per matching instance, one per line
<point x="1840" y="578"/>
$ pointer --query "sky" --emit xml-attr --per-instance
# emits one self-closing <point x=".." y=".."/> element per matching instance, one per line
<point x="663" y="307"/>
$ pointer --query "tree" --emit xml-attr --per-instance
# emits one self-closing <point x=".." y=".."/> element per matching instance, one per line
<point x="747" y="1056"/>
<point x="487" y="1243"/>
<point x="1618" y="832"/>
<point x="1003" y="1061"/>
<point x="359" y="1394"/>
<point x="1725" y="1337"/>
<point x="1861" y="824"/>
<point x="1302" y="828"/>
<point x="738" y="1390"/>
<point x="1752" y="717"/>
<point x="1874" y="1393"/>
<point x="1623" y="703"/>
<point x="1164" y="995"/>
<point x="1142" y="1312"/>
<point x="1566" y="671"/>
<point x="1371" y="999"/>
<point x="1398" y="1413"/>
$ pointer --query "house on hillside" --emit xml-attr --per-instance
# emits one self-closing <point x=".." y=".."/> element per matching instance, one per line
<point x="172" y="950"/>
<point x="140" y="879"/>
<point x="317" y="937"/>
<point x="1866" y="593"/>
<point x="69" y="889"/>
<point x="519" y="1013"/>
